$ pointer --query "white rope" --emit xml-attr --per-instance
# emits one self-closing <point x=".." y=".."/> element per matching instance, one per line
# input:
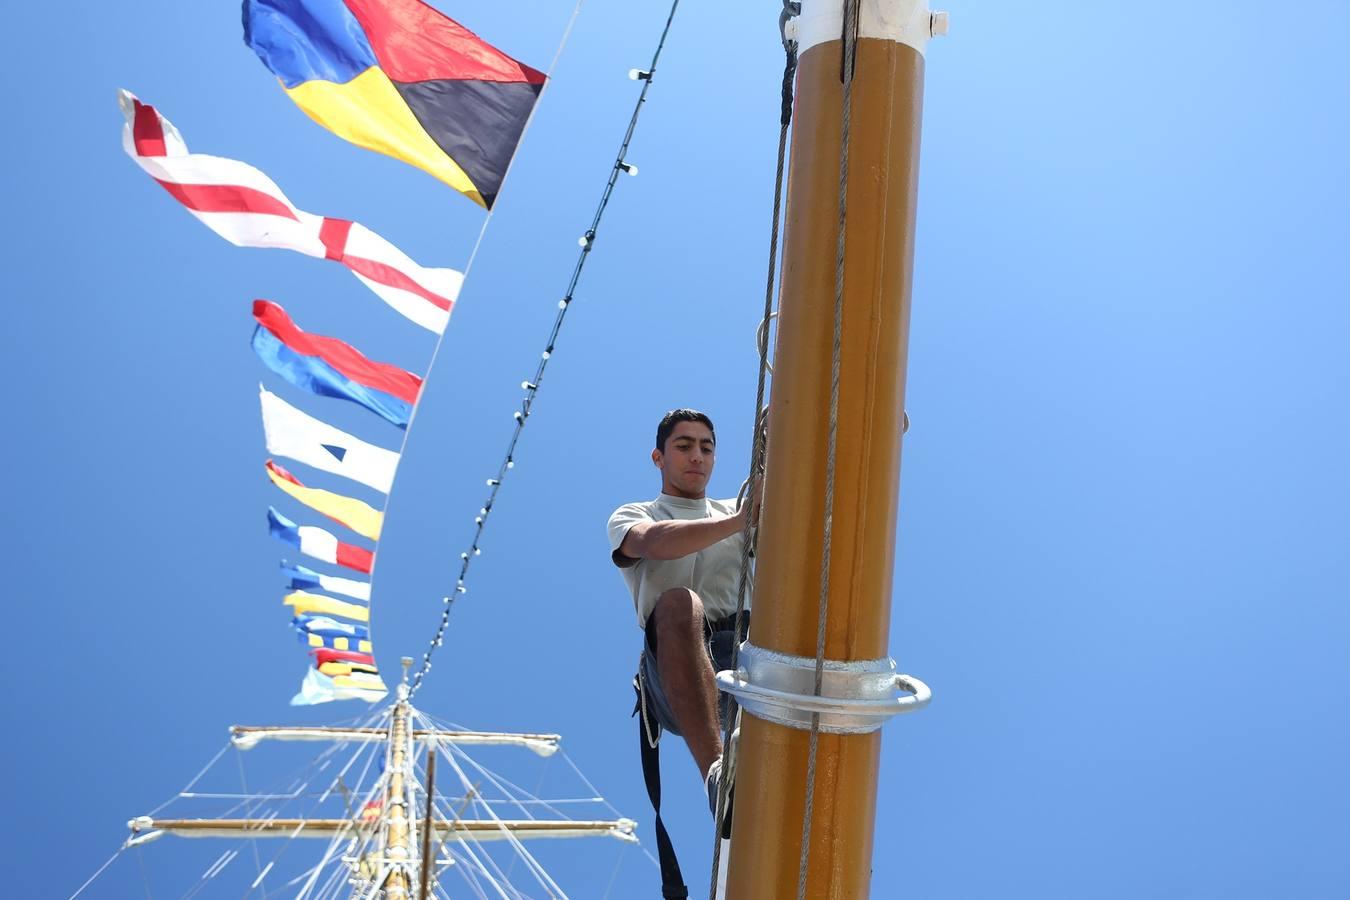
<point x="440" y="339"/>
<point x="145" y="877"/>
<point x="90" y="880"/>
<point x="749" y="536"/>
<point x="609" y="806"/>
<point x="501" y="884"/>
<point x="532" y="386"/>
<point x="344" y="832"/>
<point x="502" y="784"/>
<point x="614" y="876"/>
<point x="266" y="806"/>
<point x="440" y="891"/>
<point x="337" y="781"/>
<point x="366" y="750"/>
<point x="317" y="765"/>
<point x="212" y="871"/>
<point x="507" y="787"/>
<point x="470" y="872"/>
<point x="335" y="877"/>
<point x="314" y="877"/>
<point x="303" y="875"/>
<point x="195" y="779"/>
<point x="293" y="795"/>
<point x="537" y="870"/>
<point x="261" y="875"/>
<point x="520" y="804"/>
<point x="243" y="786"/>
<point x="590" y="787"/>
<point x="479" y="867"/>
<point x="540" y="875"/>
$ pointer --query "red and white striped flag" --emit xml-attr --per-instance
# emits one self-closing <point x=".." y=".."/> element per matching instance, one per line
<point x="245" y="207"/>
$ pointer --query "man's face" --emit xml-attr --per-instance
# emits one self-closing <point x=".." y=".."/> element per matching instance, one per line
<point x="687" y="463"/>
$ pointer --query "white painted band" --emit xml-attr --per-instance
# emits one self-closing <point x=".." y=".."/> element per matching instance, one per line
<point x="903" y="21"/>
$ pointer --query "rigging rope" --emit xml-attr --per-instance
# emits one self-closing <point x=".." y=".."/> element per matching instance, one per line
<point x="145" y="877"/>
<point x="248" y="811"/>
<point x="468" y="268"/>
<point x="91" y="879"/>
<point x="758" y="441"/>
<point x="531" y="387"/>
<point x="846" y="75"/>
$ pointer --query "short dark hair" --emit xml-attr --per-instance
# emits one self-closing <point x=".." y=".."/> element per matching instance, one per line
<point x="675" y="417"/>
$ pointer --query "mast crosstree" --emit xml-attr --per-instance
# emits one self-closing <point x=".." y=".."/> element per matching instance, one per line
<point x="392" y="846"/>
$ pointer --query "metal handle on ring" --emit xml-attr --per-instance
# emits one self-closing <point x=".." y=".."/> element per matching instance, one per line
<point x="838" y="714"/>
<point x="919" y="693"/>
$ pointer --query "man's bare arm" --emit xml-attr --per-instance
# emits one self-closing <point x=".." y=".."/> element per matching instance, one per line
<point x="676" y="538"/>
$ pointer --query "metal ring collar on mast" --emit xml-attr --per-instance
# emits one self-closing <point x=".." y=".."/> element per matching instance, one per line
<point x="848" y="697"/>
<point x="855" y="697"/>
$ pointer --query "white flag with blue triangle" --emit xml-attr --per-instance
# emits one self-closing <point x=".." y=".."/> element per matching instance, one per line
<point x="303" y="438"/>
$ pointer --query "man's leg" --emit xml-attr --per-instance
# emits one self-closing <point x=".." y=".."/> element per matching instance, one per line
<point x="687" y="674"/>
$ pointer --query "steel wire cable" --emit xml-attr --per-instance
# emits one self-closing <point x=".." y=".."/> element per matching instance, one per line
<point x="532" y="386"/>
<point x="758" y="440"/>
<point x="846" y="75"/>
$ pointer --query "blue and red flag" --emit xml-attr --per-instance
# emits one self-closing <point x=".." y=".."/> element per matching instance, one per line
<point x="400" y="78"/>
<point x="330" y="368"/>
<point x="301" y="578"/>
<point x="319" y="543"/>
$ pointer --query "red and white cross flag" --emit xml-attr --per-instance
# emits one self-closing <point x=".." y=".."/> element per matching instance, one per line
<point x="245" y="207"/>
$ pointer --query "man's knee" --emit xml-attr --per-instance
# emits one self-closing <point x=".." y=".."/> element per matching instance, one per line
<point x="677" y="608"/>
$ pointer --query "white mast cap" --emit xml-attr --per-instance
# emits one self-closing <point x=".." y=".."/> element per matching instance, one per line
<point x="903" y="21"/>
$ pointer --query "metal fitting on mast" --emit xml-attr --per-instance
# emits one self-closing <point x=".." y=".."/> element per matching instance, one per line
<point x="903" y="21"/>
<point x="855" y="697"/>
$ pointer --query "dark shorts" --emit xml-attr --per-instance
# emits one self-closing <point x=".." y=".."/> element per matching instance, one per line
<point x="719" y="639"/>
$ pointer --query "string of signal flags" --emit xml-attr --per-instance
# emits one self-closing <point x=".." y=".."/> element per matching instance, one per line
<point x="399" y="78"/>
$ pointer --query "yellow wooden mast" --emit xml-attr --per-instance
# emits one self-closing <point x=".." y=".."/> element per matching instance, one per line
<point x="776" y="681"/>
<point x="398" y="843"/>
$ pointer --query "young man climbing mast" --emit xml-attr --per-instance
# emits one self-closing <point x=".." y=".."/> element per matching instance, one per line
<point x="680" y="555"/>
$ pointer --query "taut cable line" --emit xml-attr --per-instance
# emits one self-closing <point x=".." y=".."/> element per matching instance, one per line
<point x="758" y="445"/>
<point x="473" y="256"/>
<point x="531" y="387"/>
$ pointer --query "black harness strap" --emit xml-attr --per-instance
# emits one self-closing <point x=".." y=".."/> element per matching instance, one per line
<point x="672" y="880"/>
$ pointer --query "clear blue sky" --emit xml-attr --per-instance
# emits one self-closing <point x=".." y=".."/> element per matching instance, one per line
<point x="1123" y="542"/>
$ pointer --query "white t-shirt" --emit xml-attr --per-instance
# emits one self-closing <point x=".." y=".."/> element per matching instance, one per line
<point x="714" y="573"/>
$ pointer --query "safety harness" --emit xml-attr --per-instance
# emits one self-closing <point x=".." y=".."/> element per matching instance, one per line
<point x="721" y="639"/>
<point x="649" y="737"/>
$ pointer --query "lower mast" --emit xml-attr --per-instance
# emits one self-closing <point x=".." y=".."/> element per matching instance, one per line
<point x="384" y="857"/>
<point x="784" y="846"/>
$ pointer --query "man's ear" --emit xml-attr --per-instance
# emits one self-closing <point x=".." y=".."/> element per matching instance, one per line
<point x="658" y="459"/>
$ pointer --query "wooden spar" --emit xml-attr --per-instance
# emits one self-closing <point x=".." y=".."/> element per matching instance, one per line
<point x="446" y="829"/>
<point x="427" y="863"/>
<point x="245" y="737"/>
<point x="383" y="859"/>
<point x="878" y="264"/>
